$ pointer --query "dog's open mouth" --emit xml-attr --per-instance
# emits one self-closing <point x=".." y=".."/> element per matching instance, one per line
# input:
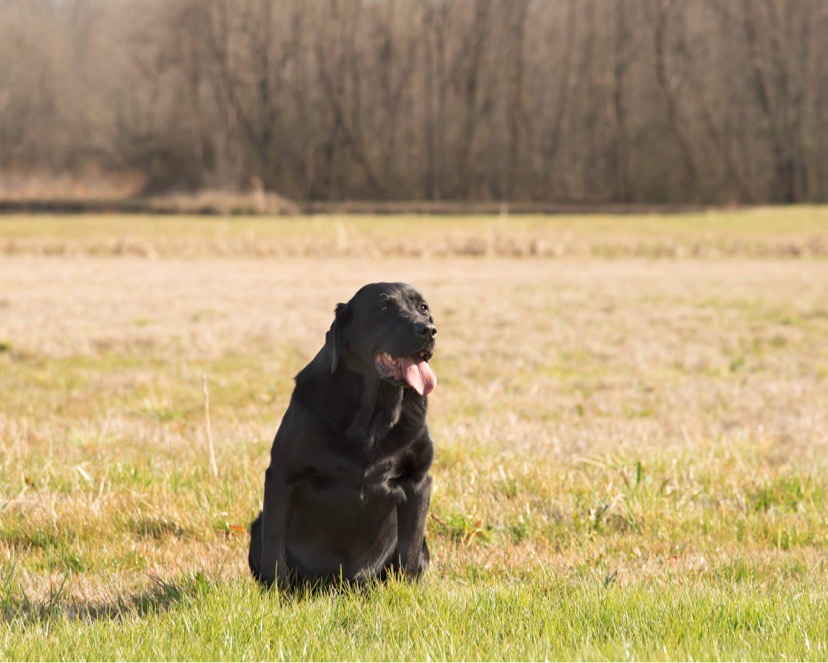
<point x="413" y="369"/>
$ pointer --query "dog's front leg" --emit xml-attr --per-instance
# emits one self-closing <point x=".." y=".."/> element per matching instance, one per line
<point x="274" y="519"/>
<point x="411" y="521"/>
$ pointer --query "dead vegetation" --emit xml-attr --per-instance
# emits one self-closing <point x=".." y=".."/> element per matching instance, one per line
<point x="755" y="233"/>
<point x="632" y="101"/>
<point x="628" y="418"/>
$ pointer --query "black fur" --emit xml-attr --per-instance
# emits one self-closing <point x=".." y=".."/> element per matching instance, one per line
<point x="348" y="486"/>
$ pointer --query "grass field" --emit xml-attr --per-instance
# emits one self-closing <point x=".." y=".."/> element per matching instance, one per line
<point x="631" y="428"/>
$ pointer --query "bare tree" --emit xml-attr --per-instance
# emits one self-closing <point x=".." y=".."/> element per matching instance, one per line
<point x="622" y="55"/>
<point x="561" y="100"/>
<point x="661" y="15"/>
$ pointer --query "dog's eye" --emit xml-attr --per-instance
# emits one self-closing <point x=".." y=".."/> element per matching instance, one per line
<point x="384" y="307"/>
<point x="424" y="308"/>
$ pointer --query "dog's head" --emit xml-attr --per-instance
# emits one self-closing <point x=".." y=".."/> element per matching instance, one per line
<point x="386" y="328"/>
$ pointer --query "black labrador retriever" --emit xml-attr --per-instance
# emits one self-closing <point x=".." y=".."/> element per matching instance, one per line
<point x="347" y="490"/>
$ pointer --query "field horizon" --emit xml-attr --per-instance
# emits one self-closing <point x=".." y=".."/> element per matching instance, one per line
<point x="630" y="424"/>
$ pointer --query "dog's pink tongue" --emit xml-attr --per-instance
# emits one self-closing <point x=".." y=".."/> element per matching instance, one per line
<point x="419" y="375"/>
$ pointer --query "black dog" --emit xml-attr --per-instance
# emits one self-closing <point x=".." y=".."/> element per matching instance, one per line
<point x="348" y="489"/>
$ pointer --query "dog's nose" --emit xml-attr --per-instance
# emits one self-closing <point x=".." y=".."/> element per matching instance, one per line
<point x="425" y="329"/>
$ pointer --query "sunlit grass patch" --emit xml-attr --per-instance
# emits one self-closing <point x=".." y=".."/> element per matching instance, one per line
<point x="467" y="618"/>
<point x="630" y="454"/>
<point x="787" y="232"/>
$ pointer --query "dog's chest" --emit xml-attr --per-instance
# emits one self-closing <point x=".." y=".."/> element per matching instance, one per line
<point x="362" y="475"/>
<point x="379" y="481"/>
<point x="366" y="468"/>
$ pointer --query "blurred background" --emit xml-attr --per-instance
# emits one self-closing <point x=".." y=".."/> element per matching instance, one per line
<point x="533" y="101"/>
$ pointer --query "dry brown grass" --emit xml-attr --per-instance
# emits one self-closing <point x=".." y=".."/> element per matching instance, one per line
<point x="755" y="233"/>
<point x="18" y="186"/>
<point x="633" y="419"/>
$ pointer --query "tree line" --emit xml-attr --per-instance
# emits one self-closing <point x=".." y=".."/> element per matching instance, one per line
<point x="623" y="101"/>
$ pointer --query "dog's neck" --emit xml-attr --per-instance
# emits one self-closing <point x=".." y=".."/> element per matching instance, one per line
<point x="379" y="410"/>
<point x="378" y="404"/>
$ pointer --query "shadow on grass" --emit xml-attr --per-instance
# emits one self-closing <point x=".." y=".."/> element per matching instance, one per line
<point x="16" y="606"/>
<point x="161" y="596"/>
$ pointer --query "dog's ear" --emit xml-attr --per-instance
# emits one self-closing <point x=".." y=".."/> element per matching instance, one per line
<point x="333" y="339"/>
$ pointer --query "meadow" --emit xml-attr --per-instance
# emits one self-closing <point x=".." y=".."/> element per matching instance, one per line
<point x="631" y="430"/>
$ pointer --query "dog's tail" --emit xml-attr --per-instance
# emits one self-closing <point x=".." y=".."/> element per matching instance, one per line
<point x="254" y="555"/>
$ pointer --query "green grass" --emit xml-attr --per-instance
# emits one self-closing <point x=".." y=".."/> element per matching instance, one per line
<point x="631" y="454"/>
<point x="533" y="617"/>
<point x="786" y="232"/>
